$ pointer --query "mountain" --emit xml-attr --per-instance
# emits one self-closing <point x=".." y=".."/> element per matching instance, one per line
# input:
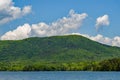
<point x="55" y="49"/>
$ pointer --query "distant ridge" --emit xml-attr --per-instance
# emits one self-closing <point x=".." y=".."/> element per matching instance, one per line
<point x="69" y="48"/>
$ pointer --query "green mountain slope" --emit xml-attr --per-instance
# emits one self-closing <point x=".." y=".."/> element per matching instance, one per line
<point x="71" y="48"/>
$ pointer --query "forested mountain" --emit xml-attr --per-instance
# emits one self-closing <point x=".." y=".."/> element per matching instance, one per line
<point x="20" y="54"/>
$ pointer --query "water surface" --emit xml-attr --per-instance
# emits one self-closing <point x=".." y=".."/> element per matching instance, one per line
<point x="60" y="75"/>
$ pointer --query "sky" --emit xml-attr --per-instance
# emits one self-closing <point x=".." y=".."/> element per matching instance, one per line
<point x="97" y="20"/>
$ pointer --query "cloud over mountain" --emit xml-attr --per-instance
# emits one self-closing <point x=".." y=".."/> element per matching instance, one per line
<point x="115" y="41"/>
<point x="65" y="25"/>
<point x="61" y="26"/>
<point x="9" y="12"/>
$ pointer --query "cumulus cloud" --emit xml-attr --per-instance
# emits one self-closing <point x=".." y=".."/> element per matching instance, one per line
<point x="20" y="33"/>
<point x="116" y="41"/>
<point x="65" y="25"/>
<point x="9" y="12"/>
<point x="102" y="21"/>
<point x="62" y="26"/>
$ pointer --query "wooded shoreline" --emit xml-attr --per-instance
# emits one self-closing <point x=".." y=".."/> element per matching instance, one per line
<point x="105" y="65"/>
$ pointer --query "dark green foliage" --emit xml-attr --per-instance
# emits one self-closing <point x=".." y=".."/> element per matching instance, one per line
<point x="110" y="65"/>
<point x="55" y="53"/>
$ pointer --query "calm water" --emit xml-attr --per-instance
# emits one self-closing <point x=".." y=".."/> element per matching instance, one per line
<point x="57" y="75"/>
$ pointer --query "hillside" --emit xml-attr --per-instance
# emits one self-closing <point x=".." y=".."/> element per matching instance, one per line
<point x="56" y="49"/>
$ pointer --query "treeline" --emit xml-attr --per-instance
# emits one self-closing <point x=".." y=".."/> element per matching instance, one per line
<point x="106" y="65"/>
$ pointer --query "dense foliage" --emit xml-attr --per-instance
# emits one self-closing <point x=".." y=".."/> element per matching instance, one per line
<point x="105" y="65"/>
<point x="70" y="52"/>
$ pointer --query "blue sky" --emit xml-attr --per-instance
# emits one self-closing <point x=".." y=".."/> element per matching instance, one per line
<point x="49" y="11"/>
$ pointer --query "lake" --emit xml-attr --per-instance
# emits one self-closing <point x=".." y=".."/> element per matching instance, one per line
<point x="60" y="75"/>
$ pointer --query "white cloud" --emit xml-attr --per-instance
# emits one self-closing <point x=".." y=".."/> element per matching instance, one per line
<point x="20" y="33"/>
<point x="9" y="12"/>
<point x="26" y="10"/>
<point x="115" y="41"/>
<point x="62" y="26"/>
<point x="101" y="39"/>
<point x="59" y="27"/>
<point x="102" y="21"/>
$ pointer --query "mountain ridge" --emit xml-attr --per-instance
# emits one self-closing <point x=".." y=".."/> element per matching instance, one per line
<point x="71" y="52"/>
<point x="57" y="47"/>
